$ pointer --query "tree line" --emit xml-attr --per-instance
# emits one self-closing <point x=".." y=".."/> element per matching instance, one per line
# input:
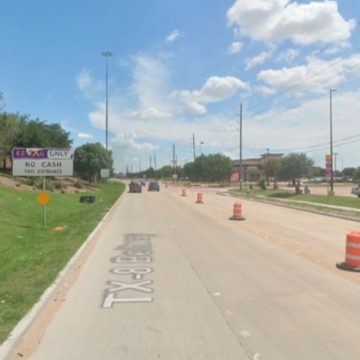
<point x="21" y="131"/>
<point x="218" y="167"/>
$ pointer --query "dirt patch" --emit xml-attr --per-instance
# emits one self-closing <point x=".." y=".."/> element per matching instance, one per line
<point x="63" y="185"/>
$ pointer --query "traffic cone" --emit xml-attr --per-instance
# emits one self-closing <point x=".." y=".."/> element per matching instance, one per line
<point x="237" y="213"/>
<point x="199" y="199"/>
<point x="183" y="192"/>
<point x="352" y="255"/>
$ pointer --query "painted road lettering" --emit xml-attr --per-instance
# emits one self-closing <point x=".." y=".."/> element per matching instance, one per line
<point x="119" y="286"/>
<point x="110" y="299"/>
<point x="136" y="249"/>
<point x="137" y="273"/>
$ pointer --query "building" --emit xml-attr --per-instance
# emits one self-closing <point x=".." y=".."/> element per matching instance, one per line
<point x="253" y="169"/>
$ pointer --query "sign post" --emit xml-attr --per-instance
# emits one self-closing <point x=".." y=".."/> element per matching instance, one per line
<point x="43" y="199"/>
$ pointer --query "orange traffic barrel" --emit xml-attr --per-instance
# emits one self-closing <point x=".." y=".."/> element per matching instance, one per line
<point x="352" y="254"/>
<point x="183" y="193"/>
<point x="237" y="212"/>
<point x="199" y="198"/>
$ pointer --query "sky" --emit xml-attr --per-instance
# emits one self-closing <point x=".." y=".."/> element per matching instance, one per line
<point x="179" y="70"/>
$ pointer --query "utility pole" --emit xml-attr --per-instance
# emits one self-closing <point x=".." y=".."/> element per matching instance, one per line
<point x="240" y="147"/>
<point x="331" y="146"/>
<point x="194" y="147"/>
<point x="155" y="161"/>
<point x="174" y="160"/>
<point x="107" y="54"/>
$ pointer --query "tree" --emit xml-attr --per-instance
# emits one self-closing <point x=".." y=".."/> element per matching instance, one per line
<point x="90" y="159"/>
<point x="316" y="171"/>
<point x="294" y="166"/>
<point x="356" y="175"/>
<point x="164" y="172"/>
<point x="213" y="167"/>
<point x="349" y="172"/>
<point x="36" y="133"/>
<point x="1" y="100"/>
<point x="189" y="171"/>
<point x="271" y="169"/>
<point x="10" y="127"/>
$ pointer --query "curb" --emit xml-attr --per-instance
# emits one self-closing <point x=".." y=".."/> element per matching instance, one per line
<point x="299" y="207"/>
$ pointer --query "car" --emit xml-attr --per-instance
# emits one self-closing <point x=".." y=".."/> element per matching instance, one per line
<point x="356" y="191"/>
<point x="135" y="187"/>
<point x="154" y="186"/>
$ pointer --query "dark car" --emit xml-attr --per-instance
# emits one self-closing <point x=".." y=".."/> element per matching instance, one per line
<point x="356" y="191"/>
<point x="154" y="186"/>
<point x="135" y="187"/>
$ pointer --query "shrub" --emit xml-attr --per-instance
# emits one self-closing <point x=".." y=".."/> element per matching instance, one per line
<point x="262" y="183"/>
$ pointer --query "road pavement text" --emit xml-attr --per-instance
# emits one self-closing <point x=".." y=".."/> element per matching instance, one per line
<point x="131" y="269"/>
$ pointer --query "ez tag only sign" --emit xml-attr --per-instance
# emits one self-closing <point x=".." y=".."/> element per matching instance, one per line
<point x="42" y="162"/>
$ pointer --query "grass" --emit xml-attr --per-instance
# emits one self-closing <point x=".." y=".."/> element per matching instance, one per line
<point x="30" y="255"/>
<point x="316" y="200"/>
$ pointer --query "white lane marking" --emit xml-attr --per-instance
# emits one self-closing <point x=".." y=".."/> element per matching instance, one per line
<point x="256" y="357"/>
<point x="245" y="333"/>
<point x="217" y="294"/>
<point x="228" y="312"/>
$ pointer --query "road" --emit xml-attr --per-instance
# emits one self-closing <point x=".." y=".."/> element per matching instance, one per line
<point x="166" y="278"/>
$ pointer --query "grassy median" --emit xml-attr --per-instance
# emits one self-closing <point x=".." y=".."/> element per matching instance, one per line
<point x="30" y="255"/>
<point x="315" y="200"/>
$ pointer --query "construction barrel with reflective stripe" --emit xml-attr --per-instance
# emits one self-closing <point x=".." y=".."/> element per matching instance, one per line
<point x="352" y="255"/>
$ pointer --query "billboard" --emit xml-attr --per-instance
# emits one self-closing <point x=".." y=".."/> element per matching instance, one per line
<point x="42" y="162"/>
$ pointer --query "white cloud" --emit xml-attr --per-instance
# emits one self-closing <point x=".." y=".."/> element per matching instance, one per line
<point x="308" y="125"/>
<point x="316" y="76"/>
<point x="148" y="114"/>
<point x="150" y="83"/>
<point x="85" y="136"/>
<point x="173" y="36"/>
<point x="258" y="59"/>
<point x="215" y="89"/>
<point x="278" y="20"/>
<point x="235" y="47"/>
<point x="127" y="142"/>
<point x="87" y="85"/>
<point x="289" y="55"/>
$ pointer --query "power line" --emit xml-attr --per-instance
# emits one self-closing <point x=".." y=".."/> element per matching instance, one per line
<point x="340" y="142"/>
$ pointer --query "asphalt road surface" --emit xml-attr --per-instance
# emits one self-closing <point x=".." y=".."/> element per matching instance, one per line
<point x="166" y="278"/>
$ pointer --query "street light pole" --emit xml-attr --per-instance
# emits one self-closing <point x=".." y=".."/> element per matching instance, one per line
<point x="107" y="54"/>
<point x="240" y="147"/>
<point x="331" y="146"/>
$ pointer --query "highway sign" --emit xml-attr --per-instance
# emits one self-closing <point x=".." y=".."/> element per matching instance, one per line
<point x="42" y="162"/>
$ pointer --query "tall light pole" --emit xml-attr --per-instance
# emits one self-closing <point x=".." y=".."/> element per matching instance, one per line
<point x="240" y="147"/>
<point x="331" y="146"/>
<point x="107" y="54"/>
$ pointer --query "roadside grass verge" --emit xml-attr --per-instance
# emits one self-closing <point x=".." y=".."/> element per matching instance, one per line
<point x="31" y="257"/>
<point x="317" y="201"/>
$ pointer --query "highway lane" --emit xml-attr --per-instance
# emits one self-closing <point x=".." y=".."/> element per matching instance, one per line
<point x="199" y="286"/>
